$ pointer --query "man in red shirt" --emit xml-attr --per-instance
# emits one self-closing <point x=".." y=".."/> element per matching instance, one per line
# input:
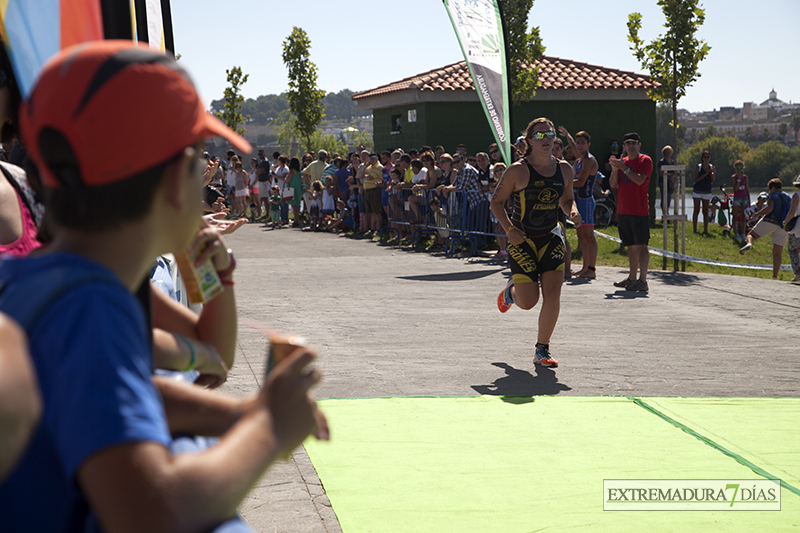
<point x="632" y="176"/>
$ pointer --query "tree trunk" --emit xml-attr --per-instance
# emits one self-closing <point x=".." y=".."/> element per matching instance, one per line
<point x="674" y="106"/>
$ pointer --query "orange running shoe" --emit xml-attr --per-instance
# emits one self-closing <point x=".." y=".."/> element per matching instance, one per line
<point x="504" y="301"/>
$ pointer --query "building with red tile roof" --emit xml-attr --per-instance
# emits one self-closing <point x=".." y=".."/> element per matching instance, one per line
<point x="441" y="106"/>
<point x="555" y="75"/>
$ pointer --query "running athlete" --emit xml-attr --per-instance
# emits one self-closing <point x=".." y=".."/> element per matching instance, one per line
<point x="585" y="175"/>
<point x="540" y="185"/>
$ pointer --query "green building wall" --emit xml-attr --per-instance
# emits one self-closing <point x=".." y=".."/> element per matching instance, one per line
<point x="450" y="124"/>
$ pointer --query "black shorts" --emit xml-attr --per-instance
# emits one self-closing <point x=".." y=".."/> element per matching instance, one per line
<point x="634" y="229"/>
<point x="534" y="256"/>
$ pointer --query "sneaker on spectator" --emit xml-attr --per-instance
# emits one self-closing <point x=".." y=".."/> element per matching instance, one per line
<point x="638" y="286"/>
<point x="502" y="255"/>
<point x="504" y="301"/>
<point x="625" y="283"/>
<point x="542" y="357"/>
<point x="743" y="249"/>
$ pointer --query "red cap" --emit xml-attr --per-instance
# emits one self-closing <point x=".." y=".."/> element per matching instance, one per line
<point x="123" y="107"/>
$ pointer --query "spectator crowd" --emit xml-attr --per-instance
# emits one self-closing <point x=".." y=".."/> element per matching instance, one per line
<point x="395" y="193"/>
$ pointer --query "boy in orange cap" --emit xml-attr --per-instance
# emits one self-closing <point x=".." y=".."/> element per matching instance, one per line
<point x="115" y="131"/>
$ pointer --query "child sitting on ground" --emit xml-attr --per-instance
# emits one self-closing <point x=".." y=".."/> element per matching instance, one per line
<point x="344" y="221"/>
<point x="275" y="207"/>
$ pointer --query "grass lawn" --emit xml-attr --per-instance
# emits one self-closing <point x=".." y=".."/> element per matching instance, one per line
<point x="713" y="246"/>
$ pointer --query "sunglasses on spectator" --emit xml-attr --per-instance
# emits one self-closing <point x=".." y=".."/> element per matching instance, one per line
<point x="457" y="160"/>
<point x="739" y="167"/>
<point x="494" y="151"/>
<point x="539" y="135"/>
<point x="472" y="160"/>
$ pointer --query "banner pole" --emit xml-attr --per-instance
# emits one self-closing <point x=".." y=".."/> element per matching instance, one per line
<point x="512" y="134"/>
<point x="169" y="36"/>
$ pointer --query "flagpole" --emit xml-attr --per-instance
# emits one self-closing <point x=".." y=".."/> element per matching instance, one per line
<point x="116" y="19"/>
<point x="512" y="135"/>
<point x="169" y="36"/>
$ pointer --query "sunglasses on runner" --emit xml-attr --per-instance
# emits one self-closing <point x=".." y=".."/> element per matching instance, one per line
<point x="539" y="135"/>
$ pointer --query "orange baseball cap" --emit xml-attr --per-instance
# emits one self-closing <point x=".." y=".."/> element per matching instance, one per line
<point x="123" y="107"/>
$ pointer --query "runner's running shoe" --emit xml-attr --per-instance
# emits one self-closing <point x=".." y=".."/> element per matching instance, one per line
<point x="743" y="249"/>
<point x="504" y="301"/>
<point x="542" y="356"/>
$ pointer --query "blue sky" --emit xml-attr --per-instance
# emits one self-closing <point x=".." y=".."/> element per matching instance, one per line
<point x="359" y="45"/>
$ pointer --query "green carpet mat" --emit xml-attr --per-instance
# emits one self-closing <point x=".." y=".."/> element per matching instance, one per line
<point x="489" y="464"/>
<point x="763" y="431"/>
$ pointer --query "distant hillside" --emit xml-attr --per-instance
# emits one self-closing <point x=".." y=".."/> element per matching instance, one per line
<point x="338" y="106"/>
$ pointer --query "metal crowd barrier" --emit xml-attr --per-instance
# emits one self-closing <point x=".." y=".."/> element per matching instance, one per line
<point x="460" y="218"/>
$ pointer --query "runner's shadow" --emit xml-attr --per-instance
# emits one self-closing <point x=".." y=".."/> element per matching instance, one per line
<point x="578" y="281"/>
<point x="622" y="294"/>
<point x="518" y="383"/>
<point x="452" y="276"/>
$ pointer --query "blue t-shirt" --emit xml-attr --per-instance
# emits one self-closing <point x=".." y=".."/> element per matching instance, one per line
<point x="94" y="364"/>
<point x="781" y="203"/>
<point x="265" y="175"/>
<point x="342" y="174"/>
<point x="387" y="177"/>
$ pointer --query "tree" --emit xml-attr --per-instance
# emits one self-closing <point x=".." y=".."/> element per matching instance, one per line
<point x="783" y="129"/>
<point x="765" y="136"/>
<point x="285" y="127"/>
<point x="796" y="125"/>
<point x="305" y="100"/>
<point x="748" y="134"/>
<point x="673" y="58"/>
<point x="765" y="162"/>
<point x="341" y="105"/>
<point x="524" y="49"/>
<point x="710" y="131"/>
<point x="232" y="101"/>
<point x="664" y="128"/>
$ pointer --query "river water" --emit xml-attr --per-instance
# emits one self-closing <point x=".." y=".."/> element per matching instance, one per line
<point x="690" y="204"/>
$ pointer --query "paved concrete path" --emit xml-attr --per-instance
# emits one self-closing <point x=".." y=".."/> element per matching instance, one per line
<point x="392" y="322"/>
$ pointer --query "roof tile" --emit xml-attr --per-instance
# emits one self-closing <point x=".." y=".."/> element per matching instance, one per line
<point x="554" y="73"/>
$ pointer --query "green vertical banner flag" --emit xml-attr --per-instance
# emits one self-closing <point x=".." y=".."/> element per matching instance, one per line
<point x="479" y="29"/>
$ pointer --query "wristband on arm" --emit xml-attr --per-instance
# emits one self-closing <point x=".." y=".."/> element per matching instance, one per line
<point x="193" y="361"/>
